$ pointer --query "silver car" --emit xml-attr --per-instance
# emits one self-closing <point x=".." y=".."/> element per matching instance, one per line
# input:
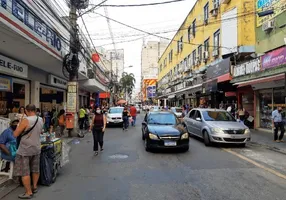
<point x="214" y="125"/>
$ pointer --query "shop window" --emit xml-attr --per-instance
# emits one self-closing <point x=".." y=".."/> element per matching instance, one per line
<point x="279" y="98"/>
<point x="265" y="99"/>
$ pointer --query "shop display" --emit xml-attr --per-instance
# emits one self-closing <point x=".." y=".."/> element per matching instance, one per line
<point x="265" y="110"/>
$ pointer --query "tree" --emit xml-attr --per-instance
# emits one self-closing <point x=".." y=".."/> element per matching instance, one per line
<point x="127" y="83"/>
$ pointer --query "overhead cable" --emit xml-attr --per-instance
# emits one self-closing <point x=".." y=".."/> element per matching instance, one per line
<point x="147" y="4"/>
<point x="93" y="8"/>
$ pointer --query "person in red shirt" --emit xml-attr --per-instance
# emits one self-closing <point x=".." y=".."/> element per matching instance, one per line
<point x="133" y="113"/>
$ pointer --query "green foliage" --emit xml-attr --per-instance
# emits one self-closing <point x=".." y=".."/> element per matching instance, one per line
<point x="127" y="82"/>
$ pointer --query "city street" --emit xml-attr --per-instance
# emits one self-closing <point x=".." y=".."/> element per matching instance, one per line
<point x="126" y="171"/>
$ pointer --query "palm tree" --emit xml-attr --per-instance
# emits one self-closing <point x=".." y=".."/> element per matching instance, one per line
<point x="127" y="83"/>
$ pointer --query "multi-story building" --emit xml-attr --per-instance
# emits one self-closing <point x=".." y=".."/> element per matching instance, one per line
<point x="34" y="40"/>
<point x="117" y="61"/>
<point x="195" y="67"/>
<point x="261" y="81"/>
<point x="150" y="54"/>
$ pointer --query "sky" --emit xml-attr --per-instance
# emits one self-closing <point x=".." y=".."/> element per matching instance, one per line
<point x="168" y="17"/>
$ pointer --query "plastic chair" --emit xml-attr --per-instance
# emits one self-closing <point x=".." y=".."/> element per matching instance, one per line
<point x="10" y="173"/>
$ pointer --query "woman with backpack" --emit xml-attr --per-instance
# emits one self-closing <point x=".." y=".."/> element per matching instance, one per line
<point x="61" y="122"/>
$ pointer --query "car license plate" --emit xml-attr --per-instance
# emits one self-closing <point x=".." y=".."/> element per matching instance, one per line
<point x="170" y="143"/>
<point x="116" y="121"/>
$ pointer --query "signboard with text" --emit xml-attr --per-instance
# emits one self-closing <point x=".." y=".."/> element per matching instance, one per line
<point x="13" y="67"/>
<point x="274" y="59"/>
<point x="246" y="68"/>
<point x="6" y="84"/>
<point x="151" y="91"/>
<point x="72" y="97"/>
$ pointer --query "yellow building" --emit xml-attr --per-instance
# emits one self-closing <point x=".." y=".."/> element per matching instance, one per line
<point x="214" y="34"/>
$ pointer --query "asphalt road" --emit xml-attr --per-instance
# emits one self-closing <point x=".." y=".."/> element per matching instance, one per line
<point x="126" y="171"/>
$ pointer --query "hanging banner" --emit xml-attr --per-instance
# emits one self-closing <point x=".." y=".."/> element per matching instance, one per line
<point x="72" y="97"/>
<point x="6" y="84"/>
<point x="151" y="91"/>
<point x="274" y="58"/>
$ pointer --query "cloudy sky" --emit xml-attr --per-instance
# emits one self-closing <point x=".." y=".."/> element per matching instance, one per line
<point x="160" y="18"/>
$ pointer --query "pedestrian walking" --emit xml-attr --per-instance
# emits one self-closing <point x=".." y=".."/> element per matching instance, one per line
<point x="81" y="120"/>
<point x="28" y="154"/>
<point x="133" y="113"/>
<point x="97" y="127"/>
<point x="277" y="123"/>
<point x="125" y="117"/>
<point x="61" y="122"/>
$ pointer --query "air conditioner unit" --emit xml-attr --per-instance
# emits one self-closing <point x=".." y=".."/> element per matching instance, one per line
<point x="215" y="53"/>
<point x="225" y="1"/>
<point x="268" y="26"/>
<point x="206" y="55"/>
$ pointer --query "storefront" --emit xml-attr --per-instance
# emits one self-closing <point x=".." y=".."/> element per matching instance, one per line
<point x="84" y="98"/>
<point x="14" y="86"/>
<point x="217" y="84"/>
<point x="104" y="98"/>
<point x="262" y="83"/>
<point x="53" y="94"/>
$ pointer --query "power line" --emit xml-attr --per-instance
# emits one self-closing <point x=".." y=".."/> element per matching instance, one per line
<point x="126" y="41"/>
<point x="147" y="4"/>
<point x="162" y="37"/>
<point x="93" y="8"/>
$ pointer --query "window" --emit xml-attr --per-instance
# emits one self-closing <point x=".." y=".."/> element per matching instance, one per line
<point x="181" y="65"/>
<point x="171" y="56"/>
<point x="216" y="40"/>
<point x="192" y="114"/>
<point x="181" y="44"/>
<point x="207" y="45"/>
<point x="206" y="13"/>
<point x="200" y="52"/>
<point x="115" y="110"/>
<point x="194" y="57"/>
<point x="194" y="28"/>
<point x="189" y="33"/>
<point x="190" y="60"/>
<point x="162" y="118"/>
<point x="185" y="63"/>
<point x="165" y="62"/>
<point x="178" y="68"/>
<point x="198" y="115"/>
<point x="218" y="116"/>
<point x="216" y="3"/>
<point x="160" y="67"/>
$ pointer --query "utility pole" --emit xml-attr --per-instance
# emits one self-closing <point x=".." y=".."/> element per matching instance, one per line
<point x="111" y="86"/>
<point x="71" y="65"/>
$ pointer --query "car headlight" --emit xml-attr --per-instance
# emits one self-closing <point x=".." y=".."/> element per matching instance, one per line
<point x="153" y="136"/>
<point x="185" y="136"/>
<point x="217" y="130"/>
<point x="247" y="131"/>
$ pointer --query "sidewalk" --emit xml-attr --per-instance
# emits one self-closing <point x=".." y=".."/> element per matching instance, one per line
<point x="264" y="138"/>
<point x="7" y="186"/>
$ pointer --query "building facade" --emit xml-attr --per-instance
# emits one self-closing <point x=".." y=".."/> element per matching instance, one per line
<point x="261" y="82"/>
<point x="33" y="44"/>
<point x="151" y="52"/>
<point x="195" y="67"/>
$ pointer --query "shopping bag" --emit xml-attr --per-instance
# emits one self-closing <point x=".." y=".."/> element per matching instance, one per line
<point x="46" y="165"/>
<point x="13" y="149"/>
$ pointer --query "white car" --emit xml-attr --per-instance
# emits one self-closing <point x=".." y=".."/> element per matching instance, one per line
<point x="177" y="111"/>
<point x="114" y="116"/>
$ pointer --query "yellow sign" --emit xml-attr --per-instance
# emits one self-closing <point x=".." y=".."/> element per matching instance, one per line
<point x="278" y="6"/>
<point x="6" y="84"/>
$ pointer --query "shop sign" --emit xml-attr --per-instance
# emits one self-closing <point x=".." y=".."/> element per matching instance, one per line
<point x="72" y="97"/>
<point x="58" y="82"/>
<point x="218" y="69"/>
<point x="274" y="59"/>
<point x="6" y="84"/>
<point x="246" y="68"/>
<point x="12" y="67"/>
<point x="151" y="91"/>
<point x="33" y="22"/>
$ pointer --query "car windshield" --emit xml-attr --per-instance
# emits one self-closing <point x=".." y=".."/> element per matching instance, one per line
<point x="162" y="119"/>
<point x="115" y="110"/>
<point x="217" y="116"/>
<point x="178" y="110"/>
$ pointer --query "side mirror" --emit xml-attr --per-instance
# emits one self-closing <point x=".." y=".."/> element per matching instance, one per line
<point x="198" y="119"/>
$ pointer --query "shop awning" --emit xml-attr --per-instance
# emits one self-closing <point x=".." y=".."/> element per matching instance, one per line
<point x="224" y="78"/>
<point x="261" y="80"/>
<point x="92" y="85"/>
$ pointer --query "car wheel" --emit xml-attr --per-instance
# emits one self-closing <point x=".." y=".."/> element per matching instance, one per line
<point x="185" y="149"/>
<point x="147" y="147"/>
<point x="206" y="138"/>
<point x="143" y="138"/>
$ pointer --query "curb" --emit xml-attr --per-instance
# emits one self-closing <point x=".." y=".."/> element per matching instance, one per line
<point x="272" y="148"/>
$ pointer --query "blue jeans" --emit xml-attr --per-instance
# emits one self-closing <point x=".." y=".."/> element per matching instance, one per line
<point x="125" y="122"/>
<point x="134" y="121"/>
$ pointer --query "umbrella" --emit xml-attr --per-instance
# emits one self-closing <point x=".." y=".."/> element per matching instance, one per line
<point x="122" y="101"/>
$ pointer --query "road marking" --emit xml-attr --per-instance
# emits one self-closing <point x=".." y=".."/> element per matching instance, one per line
<point x="272" y="171"/>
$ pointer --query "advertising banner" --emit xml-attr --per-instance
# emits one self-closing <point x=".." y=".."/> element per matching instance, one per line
<point x="278" y="6"/>
<point x="6" y="84"/>
<point x="274" y="58"/>
<point x="151" y="91"/>
<point x="72" y="97"/>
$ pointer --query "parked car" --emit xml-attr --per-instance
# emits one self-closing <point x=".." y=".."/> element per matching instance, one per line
<point x="155" y="108"/>
<point x="114" y="116"/>
<point x="162" y="129"/>
<point x="177" y="111"/>
<point x="216" y="126"/>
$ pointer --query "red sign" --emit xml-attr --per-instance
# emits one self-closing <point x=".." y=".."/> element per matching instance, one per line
<point x="95" y="57"/>
<point x="104" y="95"/>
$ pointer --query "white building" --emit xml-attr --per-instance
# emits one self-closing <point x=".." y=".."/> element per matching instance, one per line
<point x="33" y="44"/>
<point x="117" y="61"/>
<point x="150" y="54"/>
